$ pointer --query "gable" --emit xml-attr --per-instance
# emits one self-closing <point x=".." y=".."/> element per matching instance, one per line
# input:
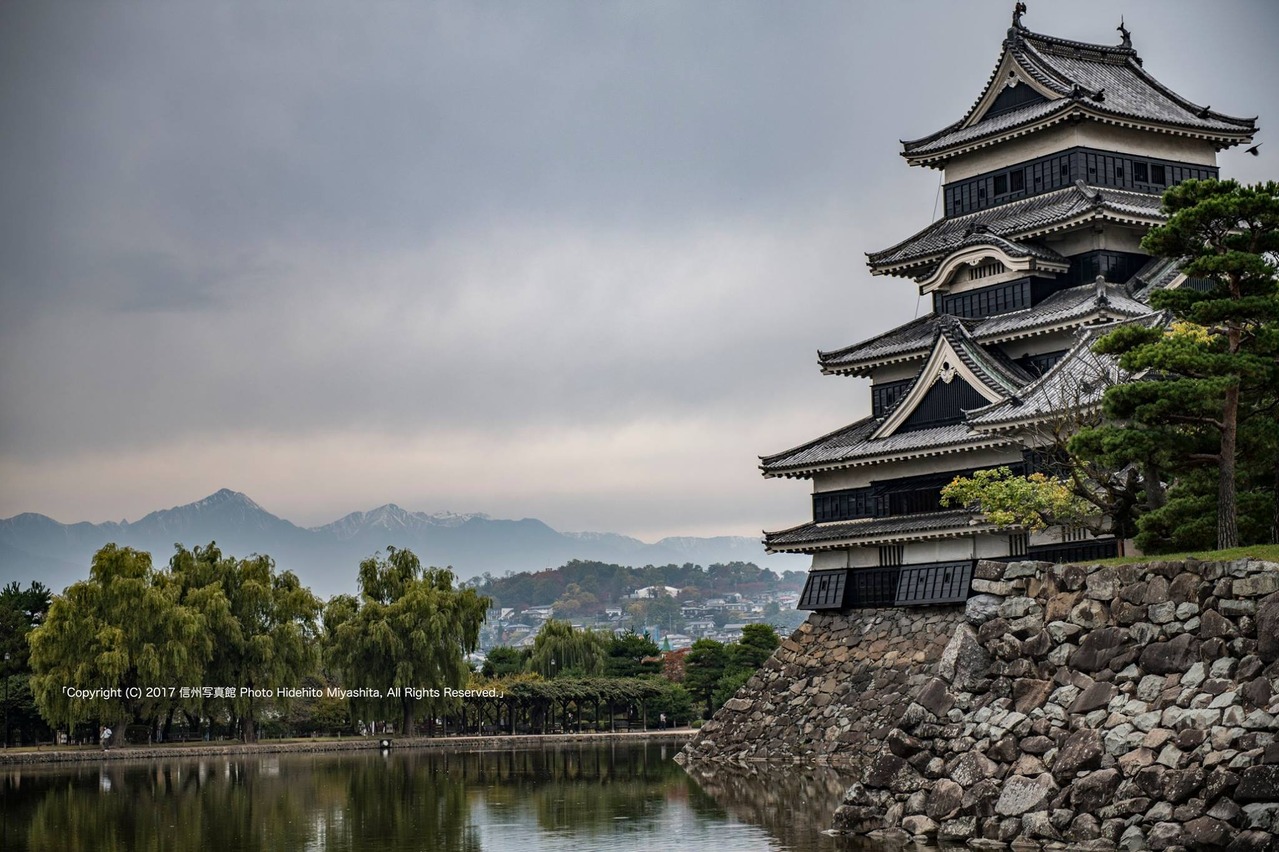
<point x="944" y="403"/>
<point x="943" y="368"/>
<point x="1014" y="97"/>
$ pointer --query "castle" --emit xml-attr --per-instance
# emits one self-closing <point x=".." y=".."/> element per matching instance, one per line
<point x="1050" y="181"/>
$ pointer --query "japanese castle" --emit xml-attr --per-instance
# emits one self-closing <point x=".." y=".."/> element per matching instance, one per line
<point x="1050" y="181"/>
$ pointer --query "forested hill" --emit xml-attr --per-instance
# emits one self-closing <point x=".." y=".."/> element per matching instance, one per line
<point x="584" y="584"/>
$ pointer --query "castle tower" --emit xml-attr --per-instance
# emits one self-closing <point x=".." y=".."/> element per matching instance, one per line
<point x="1050" y="181"/>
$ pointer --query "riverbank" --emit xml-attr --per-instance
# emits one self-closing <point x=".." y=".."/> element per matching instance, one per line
<point x="235" y="749"/>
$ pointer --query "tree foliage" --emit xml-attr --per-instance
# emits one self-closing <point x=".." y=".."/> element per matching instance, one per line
<point x="262" y="623"/>
<point x="503" y="661"/>
<point x="409" y="627"/>
<point x="625" y="655"/>
<point x="120" y="630"/>
<point x="1210" y="378"/>
<point x="1032" y="502"/>
<point x="561" y="649"/>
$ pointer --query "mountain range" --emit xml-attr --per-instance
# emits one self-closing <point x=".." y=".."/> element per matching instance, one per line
<point x="36" y="547"/>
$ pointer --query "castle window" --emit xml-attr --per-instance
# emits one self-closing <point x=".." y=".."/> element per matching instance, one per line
<point x="1140" y="173"/>
<point x="1017" y="180"/>
<point x="1001" y="184"/>
<point x="891" y="554"/>
<point x="1158" y="174"/>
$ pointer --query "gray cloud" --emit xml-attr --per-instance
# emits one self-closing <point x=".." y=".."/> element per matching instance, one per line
<point x="570" y="260"/>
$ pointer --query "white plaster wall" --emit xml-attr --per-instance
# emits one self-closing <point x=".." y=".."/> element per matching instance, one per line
<point x="1112" y="237"/>
<point x="858" y="477"/>
<point x="1041" y="343"/>
<point x="943" y="550"/>
<point x="1087" y="134"/>
<point x="897" y="372"/>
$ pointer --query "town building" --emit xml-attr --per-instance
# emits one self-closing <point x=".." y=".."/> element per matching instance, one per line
<point x="1050" y="180"/>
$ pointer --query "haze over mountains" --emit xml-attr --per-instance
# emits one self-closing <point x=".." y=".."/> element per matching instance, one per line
<point x="36" y="547"/>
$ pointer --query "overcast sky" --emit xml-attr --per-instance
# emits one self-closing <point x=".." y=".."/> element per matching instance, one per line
<point x="570" y="261"/>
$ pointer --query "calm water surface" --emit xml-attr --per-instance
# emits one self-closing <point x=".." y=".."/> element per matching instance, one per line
<point x="625" y="796"/>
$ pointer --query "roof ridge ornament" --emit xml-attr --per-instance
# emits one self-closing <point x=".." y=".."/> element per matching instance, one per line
<point x="1088" y="192"/>
<point x="1124" y="34"/>
<point x="1018" y="11"/>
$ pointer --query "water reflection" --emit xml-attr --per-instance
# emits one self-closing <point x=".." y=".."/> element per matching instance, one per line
<point x="610" y="797"/>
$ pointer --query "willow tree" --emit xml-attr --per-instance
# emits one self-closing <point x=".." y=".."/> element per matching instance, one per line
<point x="560" y="648"/>
<point x="404" y="637"/>
<point x="110" y="638"/>
<point x="262" y="623"/>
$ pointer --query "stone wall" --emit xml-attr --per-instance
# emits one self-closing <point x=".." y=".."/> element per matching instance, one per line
<point x="832" y="691"/>
<point x="1128" y="707"/>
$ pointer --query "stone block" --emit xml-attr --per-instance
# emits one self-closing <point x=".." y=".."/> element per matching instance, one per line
<point x="1258" y="784"/>
<point x="918" y="825"/>
<point x="1175" y="655"/>
<point x="1268" y="628"/>
<point x="998" y="587"/>
<point x="970" y="768"/>
<point x="1096" y="696"/>
<point x="1209" y="833"/>
<point x="1090" y="793"/>
<point x="1081" y="750"/>
<point x="1256" y="586"/>
<point x="981" y="608"/>
<point x="1099" y="647"/>
<point x="1089" y="614"/>
<point x="1022" y="795"/>
<point x="944" y="800"/>
<point x="1102" y="584"/>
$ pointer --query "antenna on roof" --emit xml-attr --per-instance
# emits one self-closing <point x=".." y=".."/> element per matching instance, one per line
<point x="1123" y="33"/>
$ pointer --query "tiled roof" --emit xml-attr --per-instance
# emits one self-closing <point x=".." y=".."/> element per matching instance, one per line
<point x="1064" y="306"/>
<point x="1077" y="381"/>
<point x="1102" y="80"/>
<point x="852" y="446"/>
<point x="1013" y="248"/>
<point x="1015" y="220"/>
<point x="911" y="339"/>
<point x="1155" y="275"/>
<point x="807" y="537"/>
<point x="914" y="339"/>
<point x="992" y="367"/>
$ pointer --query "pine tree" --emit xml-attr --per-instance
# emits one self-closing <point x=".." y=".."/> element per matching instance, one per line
<point x="1212" y="371"/>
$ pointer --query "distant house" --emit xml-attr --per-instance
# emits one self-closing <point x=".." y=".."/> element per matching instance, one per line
<point x="654" y="592"/>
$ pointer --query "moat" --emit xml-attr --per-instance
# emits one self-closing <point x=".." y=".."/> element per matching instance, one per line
<point x="619" y="796"/>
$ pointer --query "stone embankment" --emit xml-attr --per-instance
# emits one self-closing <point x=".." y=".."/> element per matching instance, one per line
<point x="832" y="690"/>
<point x="1129" y="707"/>
<point x="501" y="742"/>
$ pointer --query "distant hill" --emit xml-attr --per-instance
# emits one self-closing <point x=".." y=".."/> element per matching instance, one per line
<point x="35" y="547"/>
